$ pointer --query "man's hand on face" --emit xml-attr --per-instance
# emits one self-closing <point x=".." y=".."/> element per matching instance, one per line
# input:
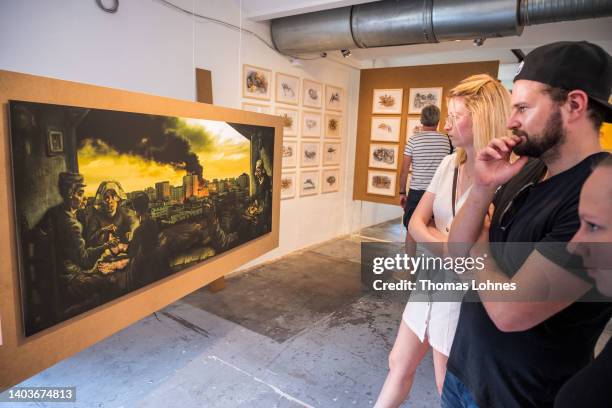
<point x="493" y="167"/>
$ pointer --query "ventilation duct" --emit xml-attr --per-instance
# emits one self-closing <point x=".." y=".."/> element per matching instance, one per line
<point x="404" y="22"/>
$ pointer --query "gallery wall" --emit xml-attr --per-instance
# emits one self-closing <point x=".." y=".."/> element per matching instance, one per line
<point x="150" y="47"/>
<point x="402" y="83"/>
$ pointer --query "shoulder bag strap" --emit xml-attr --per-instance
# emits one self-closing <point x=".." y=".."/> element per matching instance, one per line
<point x="455" y="175"/>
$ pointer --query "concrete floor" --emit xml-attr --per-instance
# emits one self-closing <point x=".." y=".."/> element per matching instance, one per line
<point x="297" y="332"/>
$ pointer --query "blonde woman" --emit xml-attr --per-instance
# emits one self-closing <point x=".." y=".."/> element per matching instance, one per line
<point x="477" y="111"/>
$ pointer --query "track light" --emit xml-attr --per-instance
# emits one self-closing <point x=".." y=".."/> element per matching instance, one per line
<point x="345" y="53"/>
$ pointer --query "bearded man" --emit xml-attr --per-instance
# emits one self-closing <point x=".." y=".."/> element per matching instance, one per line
<point x="517" y="349"/>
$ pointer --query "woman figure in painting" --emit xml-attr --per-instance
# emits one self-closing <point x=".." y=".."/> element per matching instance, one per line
<point x="109" y="220"/>
<point x="477" y="111"/>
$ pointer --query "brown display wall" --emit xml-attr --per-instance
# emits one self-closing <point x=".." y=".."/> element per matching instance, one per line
<point x="22" y="357"/>
<point x="425" y="76"/>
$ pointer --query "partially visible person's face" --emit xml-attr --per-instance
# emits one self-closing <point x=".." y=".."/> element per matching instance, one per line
<point x="459" y="123"/>
<point x="77" y="199"/>
<point x="111" y="201"/>
<point x="537" y="118"/>
<point x="593" y="241"/>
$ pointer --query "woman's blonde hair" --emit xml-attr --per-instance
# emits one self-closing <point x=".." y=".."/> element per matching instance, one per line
<point x="488" y="102"/>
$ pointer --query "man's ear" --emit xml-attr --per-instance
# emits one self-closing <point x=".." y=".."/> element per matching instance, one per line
<point x="577" y="103"/>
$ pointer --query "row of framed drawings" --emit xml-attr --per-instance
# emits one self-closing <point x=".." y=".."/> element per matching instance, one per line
<point x="311" y="124"/>
<point x="290" y="89"/>
<point x="389" y="101"/>
<point x="311" y="153"/>
<point x="311" y="182"/>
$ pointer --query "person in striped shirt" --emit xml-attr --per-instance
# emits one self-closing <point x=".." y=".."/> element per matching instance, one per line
<point x="424" y="151"/>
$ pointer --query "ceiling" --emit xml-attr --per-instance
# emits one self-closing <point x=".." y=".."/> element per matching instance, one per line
<point x="598" y="31"/>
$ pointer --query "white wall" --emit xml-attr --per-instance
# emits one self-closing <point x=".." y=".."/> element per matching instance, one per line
<point x="152" y="48"/>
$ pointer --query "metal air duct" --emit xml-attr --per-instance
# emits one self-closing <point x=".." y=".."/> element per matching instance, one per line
<point x="403" y="22"/>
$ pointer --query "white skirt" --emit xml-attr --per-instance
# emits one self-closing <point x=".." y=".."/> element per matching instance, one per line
<point x="436" y="320"/>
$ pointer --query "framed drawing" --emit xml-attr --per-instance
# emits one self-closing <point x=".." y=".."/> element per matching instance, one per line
<point x="256" y="82"/>
<point x="309" y="183"/>
<point x="333" y="126"/>
<point x="290" y="153"/>
<point x="331" y="153"/>
<point x="334" y="98"/>
<point x="330" y="180"/>
<point x="387" y="101"/>
<point x="287" y="185"/>
<point x="290" y="120"/>
<point x="413" y="126"/>
<point x="287" y="89"/>
<point x="256" y="107"/>
<point x="309" y="155"/>
<point x="311" y="124"/>
<point x="312" y="93"/>
<point x="70" y="280"/>
<point x="381" y="183"/>
<point x="421" y="97"/>
<point x="383" y="156"/>
<point x="385" y="128"/>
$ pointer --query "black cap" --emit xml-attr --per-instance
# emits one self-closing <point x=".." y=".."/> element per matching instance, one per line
<point x="70" y="179"/>
<point x="572" y="65"/>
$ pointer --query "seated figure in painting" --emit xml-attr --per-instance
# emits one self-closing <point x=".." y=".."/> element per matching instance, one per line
<point x="259" y="211"/>
<point x="109" y="219"/>
<point x="80" y="283"/>
<point x="149" y="262"/>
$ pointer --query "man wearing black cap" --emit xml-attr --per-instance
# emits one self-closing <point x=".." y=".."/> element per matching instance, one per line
<point x="519" y="352"/>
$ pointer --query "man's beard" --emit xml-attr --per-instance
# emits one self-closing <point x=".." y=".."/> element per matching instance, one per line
<point x="547" y="144"/>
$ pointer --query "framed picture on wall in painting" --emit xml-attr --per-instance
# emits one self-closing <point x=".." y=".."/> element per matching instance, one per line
<point x="413" y="126"/>
<point x="290" y="153"/>
<point x="309" y="154"/>
<point x="387" y="101"/>
<point x="334" y="98"/>
<point x="382" y="183"/>
<point x="309" y="183"/>
<point x="256" y="82"/>
<point x="333" y="126"/>
<point x="385" y="128"/>
<point x="311" y="124"/>
<point x="256" y="107"/>
<point x="330" y="180"/>
<point x="331" y="153"/>
<point x="287" y="89"/>
<point x="290" y="120"/>
<point x="312" y="94"/>
<point x="383" y="156"/>
<point x="421" y="97"/>
<point x="287" y="185"/>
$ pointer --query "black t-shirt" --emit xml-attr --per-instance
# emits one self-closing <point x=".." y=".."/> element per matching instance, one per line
<point x="526" y="369"/>
<point x="592" y="386"/>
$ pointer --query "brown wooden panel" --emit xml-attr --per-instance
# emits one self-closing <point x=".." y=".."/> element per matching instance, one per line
<point x="22" y="357"/>
<point x="204" y="91"/>
<point x="425" y="76"/>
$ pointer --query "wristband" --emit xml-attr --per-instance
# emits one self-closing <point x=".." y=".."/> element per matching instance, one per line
<point x="402" y="192"/>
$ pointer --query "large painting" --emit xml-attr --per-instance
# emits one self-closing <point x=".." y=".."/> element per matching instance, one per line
<point x="108" y="202"/>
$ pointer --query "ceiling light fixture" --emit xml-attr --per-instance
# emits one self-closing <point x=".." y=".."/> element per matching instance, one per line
<point x="345" y="53"/>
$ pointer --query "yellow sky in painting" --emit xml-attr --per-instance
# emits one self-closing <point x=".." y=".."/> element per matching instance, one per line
<point x="229" y="157"/>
